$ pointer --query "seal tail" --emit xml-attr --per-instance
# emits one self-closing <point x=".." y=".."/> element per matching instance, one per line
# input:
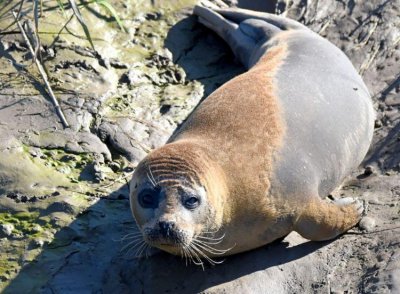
<point x="242" y="29"/>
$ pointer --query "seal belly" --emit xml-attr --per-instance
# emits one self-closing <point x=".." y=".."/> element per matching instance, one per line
<point x="328" y="115"/>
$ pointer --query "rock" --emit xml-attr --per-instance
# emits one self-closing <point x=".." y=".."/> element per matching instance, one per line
<point x="38" y="243"/>
<point x="369" y="170"/>
<point x="378" y="124"/>
<point x="367" y="224"/>
<point x="375" y="201"/>
<point x="115" y="166"/>
<point x="36" y="229"/>
<point x="6" y="230"/>
<point x="62" y="206"/>
<point x="133" y="77"/>
<point x="64" y="170"/>
<point x="36" y="152"/>
<point x="70" y="141"/>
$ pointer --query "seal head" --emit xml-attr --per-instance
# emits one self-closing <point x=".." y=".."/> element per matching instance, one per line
<point x="177" y="196"/>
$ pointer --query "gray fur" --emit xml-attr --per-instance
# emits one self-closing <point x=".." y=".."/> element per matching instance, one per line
<point x="326" y="106"/>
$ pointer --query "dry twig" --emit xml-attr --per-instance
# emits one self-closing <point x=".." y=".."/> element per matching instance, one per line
<point x="42" y="73"/>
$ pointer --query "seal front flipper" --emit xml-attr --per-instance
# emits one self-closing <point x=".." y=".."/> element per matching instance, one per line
<point x="320" y="220"/>
<point x="243" y="36"/>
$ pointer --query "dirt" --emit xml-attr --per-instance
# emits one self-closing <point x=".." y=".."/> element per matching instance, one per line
<point x="63" y="194"/>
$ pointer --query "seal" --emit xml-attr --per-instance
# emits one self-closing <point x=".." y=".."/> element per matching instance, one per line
<point x="258" y="157"/>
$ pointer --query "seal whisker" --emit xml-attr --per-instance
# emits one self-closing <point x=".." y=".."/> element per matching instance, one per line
<point x="186" y="256"/>
<point x="198" y="260"/>
<point x="150" y="179"/>
<point x="210" y="232"/>
<point x="148" y="251"/>
<point x="210" y="241"/>
<point x="127" y="237"/>
<point x="211" y="249"/>
<point x="153" y="180"/>
<point x="140" y="252"/>
<point x="211" y="238"/>
<point x="131" y="248"/>
<point x="134" y="233"/>
<point x="129" y="244"/>
<point x="189" y="254"/>
<point x="133" y="244"/>
<point x="183" y="254"/>
<point x="132" y="239"/>
<point x="209" y="259"/>
<point x="135" y="248"/>
<point x="222" y="236"/>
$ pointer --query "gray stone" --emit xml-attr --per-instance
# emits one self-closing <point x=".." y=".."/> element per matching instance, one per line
<point x="367" y="224"/>
<point x="6" y="230"/>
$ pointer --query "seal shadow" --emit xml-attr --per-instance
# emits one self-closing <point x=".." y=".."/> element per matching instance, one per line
<point x="88" y="256"/>
<point x="80" y="253"/>
<point x="202" y="54"/>
<point x="164" y="273"/>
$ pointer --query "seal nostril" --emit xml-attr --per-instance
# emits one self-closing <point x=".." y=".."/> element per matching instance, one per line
<point x="165" y="227"/>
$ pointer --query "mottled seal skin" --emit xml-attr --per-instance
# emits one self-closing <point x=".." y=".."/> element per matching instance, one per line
<point x="259" y="155"/>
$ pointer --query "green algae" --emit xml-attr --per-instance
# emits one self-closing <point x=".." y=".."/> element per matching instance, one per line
<point x="7" y="270"/>
<point x="25" y="223"/>
<point x="21" y="174"/>
<point x="71" y="165"/>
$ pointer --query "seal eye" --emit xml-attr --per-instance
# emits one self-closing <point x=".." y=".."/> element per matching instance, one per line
<point x="148" y="199"/>
<point x="192" y="202"/>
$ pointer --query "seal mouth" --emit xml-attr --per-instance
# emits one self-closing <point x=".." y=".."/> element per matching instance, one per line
<point x="171" y="238"/>
<point x="164" y="242"/>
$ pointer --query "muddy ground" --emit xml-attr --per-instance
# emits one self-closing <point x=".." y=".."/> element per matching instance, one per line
<point x="63" y="192"/>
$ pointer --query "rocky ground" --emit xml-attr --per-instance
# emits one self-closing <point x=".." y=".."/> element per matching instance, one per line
<point x="63" y="193"/>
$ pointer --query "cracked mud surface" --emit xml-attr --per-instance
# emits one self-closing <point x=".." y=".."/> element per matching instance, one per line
<point x="63" y="193"/>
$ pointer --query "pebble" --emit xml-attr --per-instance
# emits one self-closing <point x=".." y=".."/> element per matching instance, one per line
<point x="369" y="170"/>
<point x="6" y="230"/>
<point x="64" y="170"/>
<point x="36" y="229"/>
<point x="375" y="200"/>
<point x="36" y="152"/>
<point x="378" y="124"/>
<point x="115" y="166"/>
<point x="367" y="224"/>
<point x="38" y="243"/>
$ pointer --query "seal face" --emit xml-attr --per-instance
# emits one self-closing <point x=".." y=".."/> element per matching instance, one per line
<point x="256" y="159"/>
<point x="172" y="200"/>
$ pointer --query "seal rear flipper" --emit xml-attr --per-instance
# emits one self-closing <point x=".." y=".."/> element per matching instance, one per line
<point x="238" y="15"/>
<point x="242" y="36"/>
<point x="241" y="44"/>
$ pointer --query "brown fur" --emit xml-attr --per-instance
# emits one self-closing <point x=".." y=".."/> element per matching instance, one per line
<point x="319" y="220"/>
<point x="240" y="126"/>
